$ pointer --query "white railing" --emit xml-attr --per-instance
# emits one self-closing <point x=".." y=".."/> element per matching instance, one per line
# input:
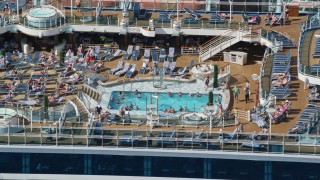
<point x="243" y="114"/>
<point x="218" y="44"/>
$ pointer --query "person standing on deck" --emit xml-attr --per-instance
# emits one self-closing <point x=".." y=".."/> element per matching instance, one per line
<point x="236" y="92"/>
<point x="207" y="83"/>
<point x="99" y="110"/>
<point x="247" y="94"/>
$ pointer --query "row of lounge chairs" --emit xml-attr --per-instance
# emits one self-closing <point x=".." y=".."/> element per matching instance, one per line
<point x="280" y="77"/>
<point x="121" y="68"/>
<point x="308" y="119"/>
<point x="134" y="53"/>
<point x="316" y="52"/>
<point x="286" y="42"/>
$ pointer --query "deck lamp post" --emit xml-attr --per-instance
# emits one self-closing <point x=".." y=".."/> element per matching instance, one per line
<point x="211" y="110"/>
<point x="230" y="1"/>
<point x="270" y="110"/>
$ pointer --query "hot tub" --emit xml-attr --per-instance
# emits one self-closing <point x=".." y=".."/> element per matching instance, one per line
<point x="42" y="17"/>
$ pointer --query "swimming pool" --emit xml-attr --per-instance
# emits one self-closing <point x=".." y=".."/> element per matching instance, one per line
<point x="193" y="103"/>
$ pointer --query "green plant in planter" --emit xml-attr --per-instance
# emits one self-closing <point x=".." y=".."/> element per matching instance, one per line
<point x="62" y="57"/>
<point x="103" y="38"/>
<point x="215" y="76"/>
<point x="210" y="96"/>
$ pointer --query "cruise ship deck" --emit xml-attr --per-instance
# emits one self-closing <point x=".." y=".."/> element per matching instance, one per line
<point x="147" y="67"/>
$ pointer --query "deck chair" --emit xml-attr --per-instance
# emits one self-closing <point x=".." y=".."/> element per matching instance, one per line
<point x="131" y="71"/>
<point x="171" y="68"/>
<point x="143" y="68"/>
<point x="192" y="13"/>
<point x="154" y="55"/>
<point x="171" y="54"/>
<point x="128" y="53"/>
<point x="155" y="68"/>
<point x="36" y="57"/>
<point x="9" y="58"/>
<point x="117" y="68"/>
<point x="104" y="54"/>
<point x="163" y="55"/>
<point x="114" y="55"/>
<point x="180" y="72"/>
<point x="146" y="54"/>
<point x="165" y="67"/>
<point x="124" y="70"/>
<point x="136" y="53"/>
<point x="96" y="51"/>
<point x="191" y="64"/>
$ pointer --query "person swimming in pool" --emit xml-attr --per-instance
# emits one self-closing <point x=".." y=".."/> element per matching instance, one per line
<point x="169" y="93"/>
<point x="180" y="94"/>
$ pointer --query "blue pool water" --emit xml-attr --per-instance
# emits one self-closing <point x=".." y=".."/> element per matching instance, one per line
<point x="193" y="103"/>
<point x="42" y="12"/>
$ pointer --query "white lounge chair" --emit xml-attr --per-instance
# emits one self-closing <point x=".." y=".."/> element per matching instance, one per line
<point x="146" y="54"/>
<point x="171" y="54"/>
<point x="165" y="66"/>
<point x="171" y="68"/>
<point x="117" y="68"/>
<point x="136" y="53"/>
<point x="128" y="53"/>
<point x="131" y="71"/>
<point x="116" y="54"/>
<point x="124" y="70"/>
<point x="163" y="55"/>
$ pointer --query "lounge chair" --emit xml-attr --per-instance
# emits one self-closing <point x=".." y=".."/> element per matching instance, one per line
<point x="117" y="68"/>
<point x="171" y="68"/>
<point x="191" y="64"/>
<point x="165" y="66"/>
<point x="144" y="68"/>
<point x="154" y="55"/>
<point x="128" y="53"/>
<point x="104" y="54"/>
<point x="131" y="71"/>
<point x="114" y="55"/>
<point x="171" y="54"/>
<point x="136" y="53"/>
<point x="146" y="54"/>
<point x="163" y="55"/>
<point x="124" y="70"/>
<point x="164" y="18"/>
<point x="96" y="51"/>
<point x="192" y="13"/>
<point x="155" y="68"/>
<point x="36" y="57"/>
<point x="279" y="21"/>
<point x="180" y="72"/>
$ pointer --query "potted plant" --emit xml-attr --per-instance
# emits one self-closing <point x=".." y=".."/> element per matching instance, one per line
<point x="62" y="57"/>
<point x="215" y="76"/>
<point x="210" y="100"/>
<point x="45" y="106"/>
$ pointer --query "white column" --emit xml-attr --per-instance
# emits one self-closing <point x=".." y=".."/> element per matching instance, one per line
<point x="71" y="8"/>
<point x="18" y="8"/>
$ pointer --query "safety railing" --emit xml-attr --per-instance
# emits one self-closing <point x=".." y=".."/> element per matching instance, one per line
<point x="162" y="139"/>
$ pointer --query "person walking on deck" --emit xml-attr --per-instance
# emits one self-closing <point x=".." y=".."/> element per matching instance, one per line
<point x="247" y="94"/>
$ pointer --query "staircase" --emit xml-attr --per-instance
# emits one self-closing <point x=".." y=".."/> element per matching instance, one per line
<point x="84" y="112"/>
<point x="217" y="44"/>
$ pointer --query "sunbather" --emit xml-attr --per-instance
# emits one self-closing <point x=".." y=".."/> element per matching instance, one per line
<point x="273" y="20"/>
<point x="51" y="99"/>
<point x="66" y="89"/>
<point x="9" y="96"/>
